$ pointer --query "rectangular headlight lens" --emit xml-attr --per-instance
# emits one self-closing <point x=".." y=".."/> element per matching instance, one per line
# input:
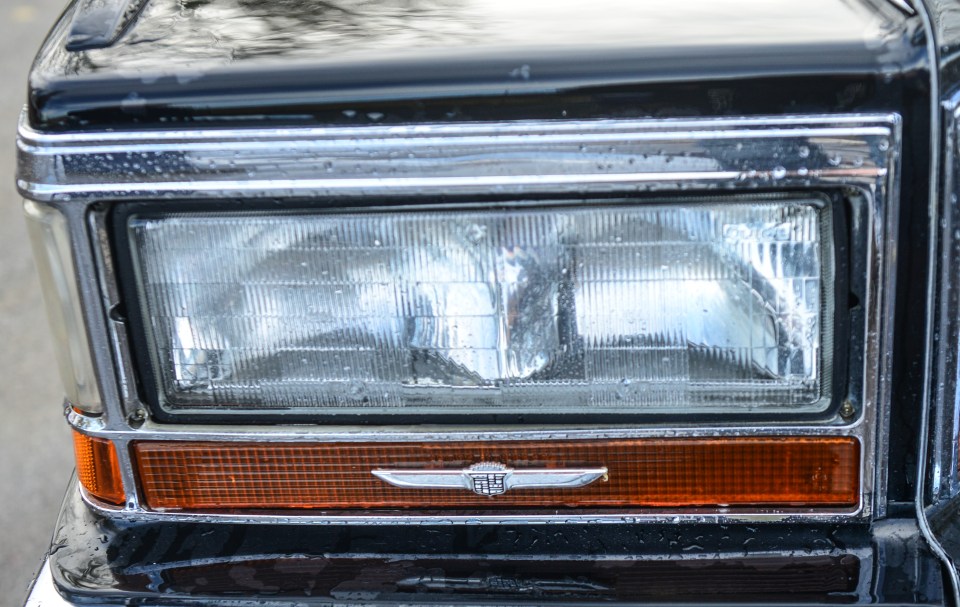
<point x="699" y="308"/>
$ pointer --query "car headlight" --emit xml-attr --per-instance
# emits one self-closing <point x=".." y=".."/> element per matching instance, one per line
<point x="608" y="320"/>
<point x="611" y="308"/>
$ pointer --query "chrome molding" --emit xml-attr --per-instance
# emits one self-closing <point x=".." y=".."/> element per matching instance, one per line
<point x="520" y="157"/>
<point x="944" y="368"/>
<point x="904" y="5"/>
<point x="860" y="154"/>
<point x="939" y="239"/>
<point x="505" y="516"/>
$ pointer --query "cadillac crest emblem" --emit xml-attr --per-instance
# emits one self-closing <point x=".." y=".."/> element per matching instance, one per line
<point x="487" y="478"/>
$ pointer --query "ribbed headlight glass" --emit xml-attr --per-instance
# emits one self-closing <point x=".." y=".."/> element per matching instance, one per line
<point x="633" y="309"/>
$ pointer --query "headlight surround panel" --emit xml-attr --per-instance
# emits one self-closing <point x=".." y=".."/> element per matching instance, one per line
<point x="473" y="222"/>
<point x="850" y="158"/>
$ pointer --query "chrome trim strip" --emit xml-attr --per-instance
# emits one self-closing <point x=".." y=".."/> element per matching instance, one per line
<point x="929" y="391"/>
<point x="404" y="434"/>
<point x="490" y="479"/>
<point x="450" y="185"/>
<point x="587" y="130"/>
<point x="580" y="516"/>
<point x="905" y="6"/>
<point x="543" y="156"/>
<point x="859" y="153"/>
<point x="944" y="368"/>
<point x="944" y="352"/>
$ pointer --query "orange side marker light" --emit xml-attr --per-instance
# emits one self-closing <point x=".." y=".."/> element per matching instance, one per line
<point x="98" y="468"/>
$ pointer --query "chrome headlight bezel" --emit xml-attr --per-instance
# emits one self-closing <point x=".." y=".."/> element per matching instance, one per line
<point x="856" y="157"/>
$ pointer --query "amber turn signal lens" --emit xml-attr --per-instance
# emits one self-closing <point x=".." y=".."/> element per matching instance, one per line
<point x="802" y="472"/>
<point x="98" y="468"/>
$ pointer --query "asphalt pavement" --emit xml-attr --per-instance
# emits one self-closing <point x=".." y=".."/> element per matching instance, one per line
<point x="35" y="448"/>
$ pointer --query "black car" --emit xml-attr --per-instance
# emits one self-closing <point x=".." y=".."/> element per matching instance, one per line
<point x="488" y="302"/>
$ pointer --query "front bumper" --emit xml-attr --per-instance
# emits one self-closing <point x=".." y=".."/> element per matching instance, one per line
<point x="98" y="560"/>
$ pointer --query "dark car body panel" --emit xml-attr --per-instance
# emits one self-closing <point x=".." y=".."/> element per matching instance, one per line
<point x="231" y="61"/>
<point x="109" y="561"/>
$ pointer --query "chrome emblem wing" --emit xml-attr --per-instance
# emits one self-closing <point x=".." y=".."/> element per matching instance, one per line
<point x="490" y="479"/>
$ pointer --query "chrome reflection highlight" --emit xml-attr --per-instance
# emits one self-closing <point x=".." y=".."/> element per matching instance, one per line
<point x="657" y="308"/>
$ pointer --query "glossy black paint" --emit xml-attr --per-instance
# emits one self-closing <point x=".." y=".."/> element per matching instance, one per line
<point x="100" y="23"/>
<point x="103" y="559"/>
<point x="357" y="61"/>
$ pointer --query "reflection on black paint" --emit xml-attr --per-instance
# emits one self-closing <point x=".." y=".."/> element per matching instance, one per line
<point x="816" y="578"/>
<point x="217" y="62"/>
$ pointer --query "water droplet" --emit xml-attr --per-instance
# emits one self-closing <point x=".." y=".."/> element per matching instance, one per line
<point x="357" y="390"/>
<point x="475" y="232"/>
<point x="522" y="72"/>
